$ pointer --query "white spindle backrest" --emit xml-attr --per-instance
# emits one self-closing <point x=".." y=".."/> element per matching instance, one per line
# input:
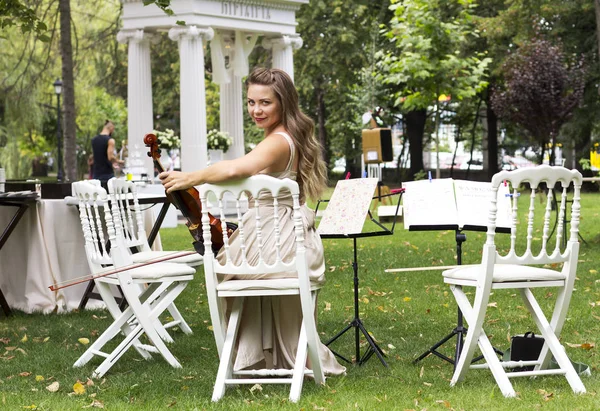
<point x="529" y="184"/>
<point x="99" y="229"/>
<point x="122" y="194"/>
<point x="282" y="193"/>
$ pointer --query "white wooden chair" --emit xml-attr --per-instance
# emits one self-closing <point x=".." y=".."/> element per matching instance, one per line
<point x="126" y="208"/>
<point x="122" y="193"/>
<point x="239" y="289"/>
<point x="516" y="270"/>
<point x="165" y="282"/>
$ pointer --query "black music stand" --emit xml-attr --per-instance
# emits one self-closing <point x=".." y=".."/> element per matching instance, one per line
<point x="457" y="205"/>
<point x="356" y="322"/>
<point x="460" y="330"/>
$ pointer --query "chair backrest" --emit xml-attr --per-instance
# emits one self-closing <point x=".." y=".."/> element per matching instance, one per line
<point x="525" y="185"/>
<point x="268" y="199"/>
<point x="99" y="231"/>
<point x="129" y="214"/>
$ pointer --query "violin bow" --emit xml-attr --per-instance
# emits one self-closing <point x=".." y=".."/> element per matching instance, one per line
<point x="90" y="277"/>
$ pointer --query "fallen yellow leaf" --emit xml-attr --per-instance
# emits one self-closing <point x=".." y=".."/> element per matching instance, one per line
<point x="327" y="306"/>
<point x="84" y="341"/>
<point x="24" y="339"/>
<point x="39" y="378"/>
<point x="78" y="388"/>
<point x="407" y="299"/>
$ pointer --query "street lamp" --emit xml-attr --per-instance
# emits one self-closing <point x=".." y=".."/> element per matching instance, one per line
<point x="58" y="90"/>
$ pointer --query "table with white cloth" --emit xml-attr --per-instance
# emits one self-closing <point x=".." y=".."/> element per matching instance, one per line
<point x="47" y="247"/>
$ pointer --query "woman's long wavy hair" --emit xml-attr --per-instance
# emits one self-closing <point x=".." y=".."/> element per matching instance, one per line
<point x="312" y="171"/>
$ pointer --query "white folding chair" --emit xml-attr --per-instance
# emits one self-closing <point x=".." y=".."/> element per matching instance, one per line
<point x="238" y="289"/>
<point x="165" y="281"/>
<point x="126" y="209"/>
<point x="516" y="270"/>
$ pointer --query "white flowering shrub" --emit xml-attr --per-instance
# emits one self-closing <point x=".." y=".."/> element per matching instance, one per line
<point x="218" y="140"/>
<point x="167" y="139"/>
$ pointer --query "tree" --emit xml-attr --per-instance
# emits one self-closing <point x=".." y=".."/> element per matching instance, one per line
<point x="507" y="25"/>
<point x="337" y="37"/>
<point x="542" y="90"/>
<point x="66" y="53"/>
<point x="428" y="60"/>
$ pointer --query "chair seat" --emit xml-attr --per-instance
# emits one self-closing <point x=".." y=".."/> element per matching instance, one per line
<point x="154" y="271"/>
<point x="269" y="284"/>
<point x="504" y="273"/>
<point x="191" y="259"/>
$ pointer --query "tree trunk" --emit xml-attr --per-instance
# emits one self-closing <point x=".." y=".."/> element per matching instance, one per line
<point x="415" y="128"/>
<point x="66" y="52"/>
<point x="492" y="138"/>
<point x="321" y="124"/>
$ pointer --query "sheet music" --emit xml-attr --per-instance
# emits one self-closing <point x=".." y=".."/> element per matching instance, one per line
<point x="348" y="206"/>
<point x="453" y="202"/>
<point x="429" y="202"/>
<point x="473" y="203"/>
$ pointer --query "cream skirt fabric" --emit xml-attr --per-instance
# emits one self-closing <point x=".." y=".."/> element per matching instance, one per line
<point x="270" y="326"/>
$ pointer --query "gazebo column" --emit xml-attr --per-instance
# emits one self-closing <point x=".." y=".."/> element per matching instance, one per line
<point x="283" y="56"/>
<point x="232" y="115"/>
<point x="192" y="94"/>
<point x="139" y="98"/>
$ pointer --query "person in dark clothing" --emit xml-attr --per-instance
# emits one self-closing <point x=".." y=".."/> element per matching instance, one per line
<point x="103" y="149"/>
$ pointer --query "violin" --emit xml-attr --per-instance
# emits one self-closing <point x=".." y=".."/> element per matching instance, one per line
<point x="188" y="202"/>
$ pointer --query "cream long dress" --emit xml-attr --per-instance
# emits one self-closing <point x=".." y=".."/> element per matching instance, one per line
<point x="270" y="326"/>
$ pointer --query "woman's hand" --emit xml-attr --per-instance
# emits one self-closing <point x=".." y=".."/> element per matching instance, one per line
<point x="175" y="180"/>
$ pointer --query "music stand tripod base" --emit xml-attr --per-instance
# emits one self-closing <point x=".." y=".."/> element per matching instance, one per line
<point x="359" y="327"/>
<point x="460" y="330"/>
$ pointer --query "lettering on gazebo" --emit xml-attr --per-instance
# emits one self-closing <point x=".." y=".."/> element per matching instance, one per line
<point x="231" y="8"/>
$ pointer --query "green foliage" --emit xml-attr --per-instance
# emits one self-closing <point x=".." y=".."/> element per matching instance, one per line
<point x="431" y="37"/>
<point x="329" y="68"/>
<point x="17" y="13"/>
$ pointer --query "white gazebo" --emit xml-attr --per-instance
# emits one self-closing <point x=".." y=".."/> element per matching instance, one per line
<point x="233" y="29"/>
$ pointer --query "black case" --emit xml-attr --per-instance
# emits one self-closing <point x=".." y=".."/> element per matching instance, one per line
<point x="526" y="348"/>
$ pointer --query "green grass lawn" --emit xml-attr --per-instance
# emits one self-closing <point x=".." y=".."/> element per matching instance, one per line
<point x="405" y="312"/>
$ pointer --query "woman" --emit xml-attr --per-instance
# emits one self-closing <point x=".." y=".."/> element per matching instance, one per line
<point x="270" y="326"/>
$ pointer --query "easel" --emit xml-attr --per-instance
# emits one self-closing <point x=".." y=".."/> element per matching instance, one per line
<point x="356" y="322"/>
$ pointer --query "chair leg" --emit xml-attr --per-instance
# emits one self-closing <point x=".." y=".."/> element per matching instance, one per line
<point x="551" y="340"/>
<point x="559" y="315"/>
<point x="115" y="310"/>
<point x="146" y="315"/>
<point x="119" y="325"/>
<point x="475" y="320"/>
<point x="150" y="295"/>
<point x="312" y="337"/>
<point x="472" y="336"/>
<point x="183" y="325"/>
<point x="226" y="361"/>
<point x="299" y="366"/>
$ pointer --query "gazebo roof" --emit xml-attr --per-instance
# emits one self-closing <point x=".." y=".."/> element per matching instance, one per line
<point x="261" y="16"/>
